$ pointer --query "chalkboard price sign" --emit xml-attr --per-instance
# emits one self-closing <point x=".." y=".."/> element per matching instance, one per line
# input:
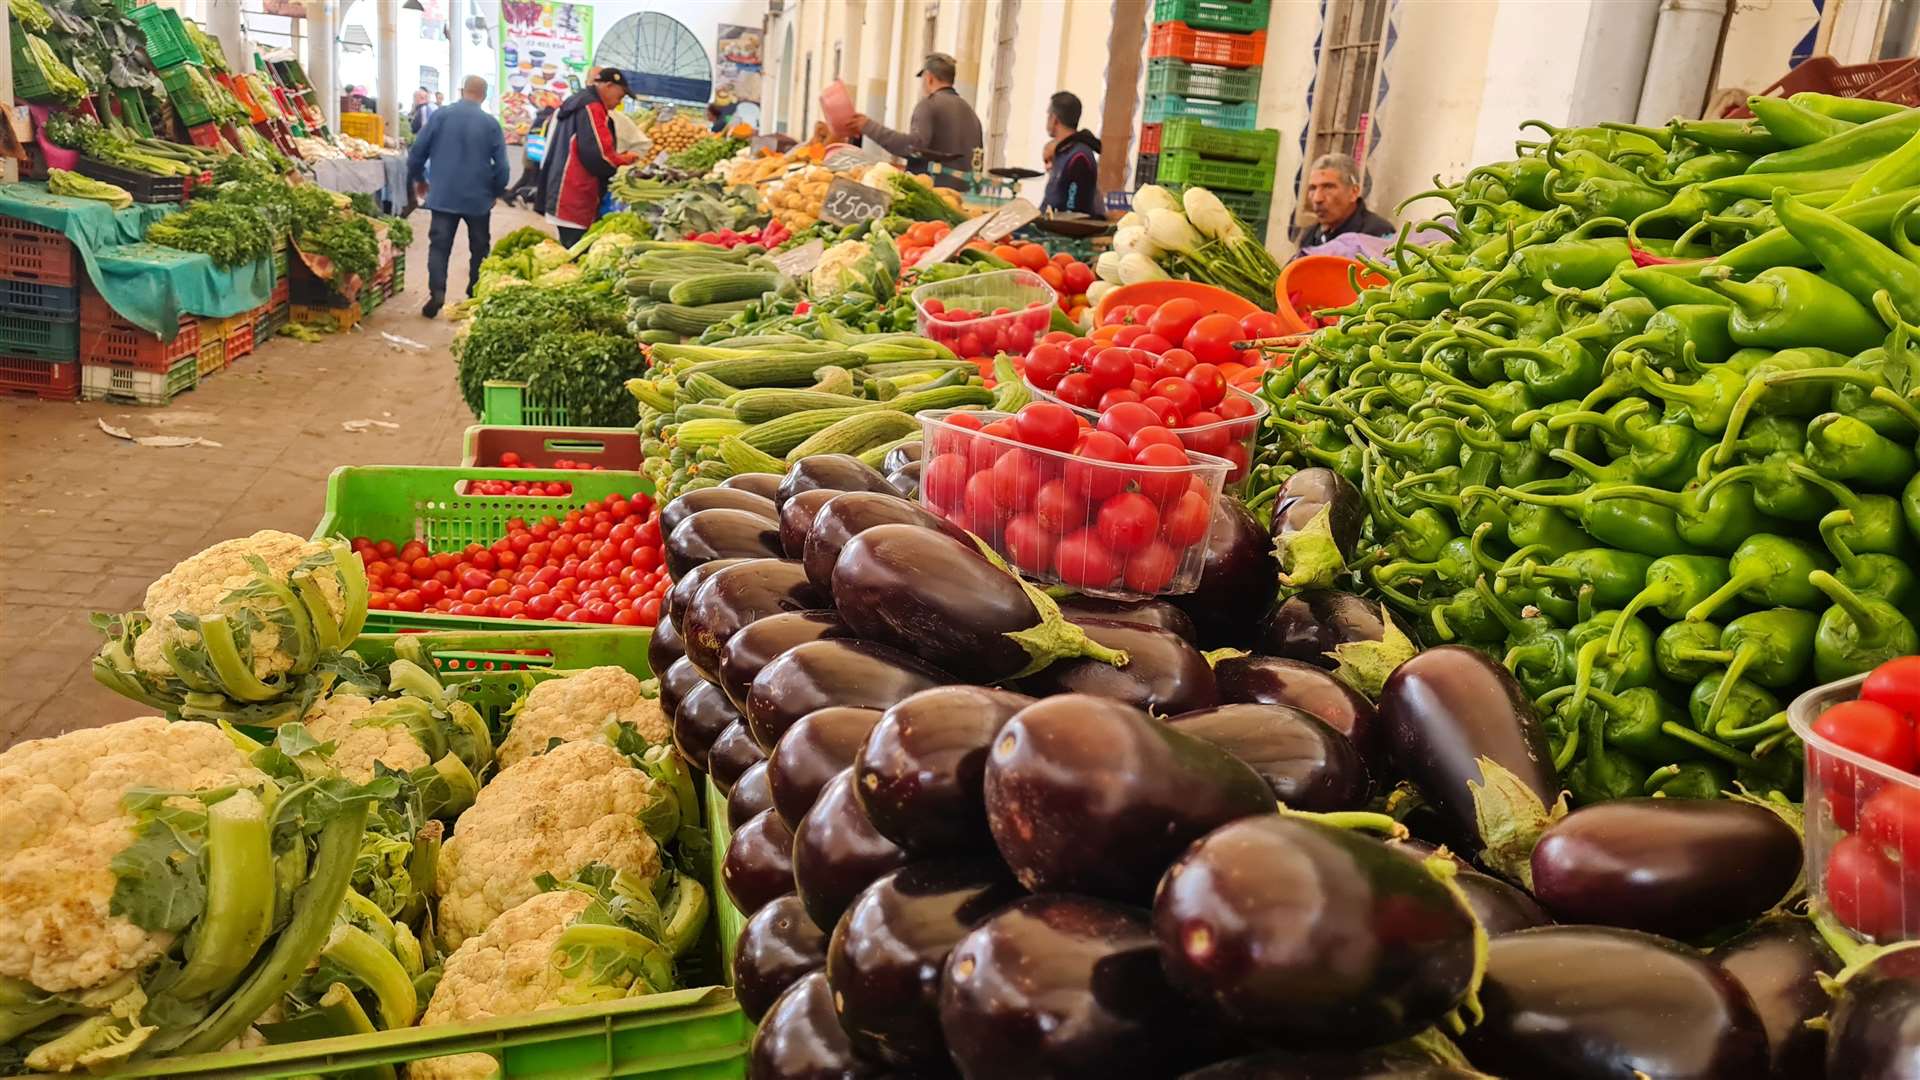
<point x="848" y="203"/>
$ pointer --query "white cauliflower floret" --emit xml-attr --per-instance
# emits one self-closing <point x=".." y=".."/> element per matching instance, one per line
<point x="361" y="737"/>
<point x="554" y="813"/>
<point x="580" y="706"/>
<point x="504" y="971"/>
<point x="839" y="269"/>
<point x="201" y="584"/>
<point x="61" y="824"/>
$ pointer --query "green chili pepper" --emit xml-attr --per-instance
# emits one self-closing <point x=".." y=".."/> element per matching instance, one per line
<point x="1557" y="368"/>
<point x="1679" y="650"/>
<point x="1702" y="329"/>
<point x="1456" y="566"/>
<point x="1540" y="656"/>
<point x="1846" y="448"/>
<point x="1541" y="527"/>
<point x="1745" y="136"/>
<point x="1778" y="492"/>
<point x="1756" y="185"/>
<point x="1706" y="404"/>
<point x="1635" y="720"/>
<point x="1793" y="124"/>
<point x="1472" y="513"/>
<point x="1605" y="196"/>
<point x="1667" y="288"/>
<point x="1529" y="322"/>
<point x="1429" y="444"/>
<point x="1577" y="264"/>
<point x="1886" y="576"/>
<point x="1630" y="524"/>
<point x="1858" y="633"/>
<point x="1595" y="665"/>
<point x="1613" y="323"/>
<point x="1855" y="146"/>
<point x="1853" y="110"/>
<point x="1422" y="533"/>
<point x="1674" y="584"/>
<point x="1614" y="575"/>
<point x="1767" y="570"/>
<point x="1786" y="307"/>
<point x="1854" y="260"/>
<point x="1773" y="647"/>
<point x="1875" y="524"/>
<point x="1704" y="167"/>
<point x="1608" y="140"/>
<point x="1689" y="780"/>
<point x="1777" y="247"/>
<point x="1660" y="454"/>
<point x="1909" y="506"/>
<point x="1524" y="179"/>
<point x="1747" y="711"/>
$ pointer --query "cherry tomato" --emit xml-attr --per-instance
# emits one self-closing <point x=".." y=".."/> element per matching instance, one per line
<point x="1095" y="482"/>
<point x="1150" y="569"/>
<point x="1203" y="433"/>
<point x="1895" y="684"/>
<point x="1058" y="508"/>
<point x="1141" y="314"/>
<point x="1261" y="324"/>
<point x="1211" y="384"/>
<point x="1175" y="363"/>
<point x="1125" y="418"/>
<point x="1048" y="425"/>
<point x="1869" y="728"/>
<point x="1029" y="543"/>
<point x="944" y="479"/>
<point x="1111" y="368"/>
<point x="1168" y="413"/>
<point x="1235" y="407"/>
<point x="1115" y="397"/>
<point x="1175" y="318"/>
<point x="1152" y="344"/>
<point x="1181" y="392"/>
<point x="1079" y="389"/>
<point x="1016" y="480"/>
<point x="1083" y="562"/>
<point x="1891" y="819"/>
<point x="1211" y="338"/>
<point x="982" y="512"/>
<point x="1150" y="434"/>
<point x="1162" y="487"/>
<point x="1863" y="888"/>
<point x="1046" y="364"/>
<point x="1127" y="522"/>
<point x="1187" y="520"/>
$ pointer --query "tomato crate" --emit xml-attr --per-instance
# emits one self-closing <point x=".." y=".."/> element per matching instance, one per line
<point x="615" y="449"/>
<point x="1197" y="136"/>
<point x="212" y="355"/>
<point x="114" y="341"/>
<point x="1237" y="16"/>
<point x="43" y="301"/>
<point x="1169" y="76"/>
<point x="240" y="340"/>
<point x="189" y="101"/>
<point x="1160" y="108"/>
<point x="39" y="337"/>
<point x="1188" y="169"/>
<point x="48" y="380"/>
<point x="1881" y="80"/>
<point x="511" y="404"/>
<point x="168" y="42"/>
<point x="1182" y="42"/>
<point x="120" y="382"/>
<point x="1146" y="170"/>
<point x="30" y="252"/>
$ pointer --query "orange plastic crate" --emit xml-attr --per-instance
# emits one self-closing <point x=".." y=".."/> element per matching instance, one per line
<point x="48" y="380"/>
<point x="1883" y="80"/>
<point x="240" y="340"/>
<point x="1149" y="138"/>
<point x="30" y="252"/>
<point x="126" y="345"/>
<point x="1182" y="42"/>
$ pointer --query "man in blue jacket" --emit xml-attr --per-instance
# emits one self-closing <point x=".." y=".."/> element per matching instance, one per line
<point x="464" y="154"/>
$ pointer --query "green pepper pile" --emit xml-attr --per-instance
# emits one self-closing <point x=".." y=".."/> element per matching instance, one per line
<point x="1644" y="430"/>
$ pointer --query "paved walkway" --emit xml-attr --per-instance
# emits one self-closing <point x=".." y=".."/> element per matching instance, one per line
<point x="91" y="520"/>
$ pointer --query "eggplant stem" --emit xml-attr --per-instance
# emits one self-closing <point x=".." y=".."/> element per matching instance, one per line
<point x="1469" y="1013"/>
<point x="1356" y="820"/>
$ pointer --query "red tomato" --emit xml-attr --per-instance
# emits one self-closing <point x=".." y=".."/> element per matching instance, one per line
<point x="1046" y="364"/>
<point x="1127" y="417"/>
<point x="1129" y="334"/>
<point x="1261" y="324"/>
<point x="982" y="513"/>
<point x="1076" y="277"/>
<point x="984" y="452"/>
<point x="1162" y="487"/>
<point x="1866" y="727"/>
<point x="1127" y="522"/>
<point x="1895" y="684"/>
<point x="1175" y="318"/>
<point x="1095" y="482"/>
<point x="1181" y="392"/>
<point x="1142" y="314"/>
<point x="1080" y="348"/>
<point x="1212" y="385"/>
<point x="1863" y="888"/>
<point x="1148" y="435"/>
<point x="1204" y="433"/>
<point x="1047" y="424"/>
<point x="1111" y="369"/>
<point x="1016" y="480"/>
<point x="944" y="479"/>
<point x="1083" y="562"/>
<point x="1891" y="819"/>
<point x="1149" y="569"/>
<point x="1211" y="338"/>
<point x="1056" y="507"/>
<point x="1167" y="411"/>
<point x="1186" y="521"/>
<point x="1235" y="407"/>
<point x="1116" y="397"/>
<point x="1079" y="389"/>
<point x="1029" y="543"/>
<point x="1152" y="343"/>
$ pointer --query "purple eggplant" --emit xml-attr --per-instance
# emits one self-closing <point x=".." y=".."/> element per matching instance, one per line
<point x="1500" y="907"/>
<point x="1308" y="625"/>
<point x="750" y="796"/>
<point x="1155" y="613"/>
<point x="1163" y="673"/>
<point x="919" y="775"/>
<point x="1312" y="937"/>
<point x="737" y="596"/>
<point x="1308" y="764"/>
<point x="757" y="644"/>
<point x="1237" y="579"/>
<point x="1873" y="1032"/>
<point x="1317" y="515"/>
<point x="706" y="535"/>
<point x="1059" y="987"/>
<point x="765" y="485"/>
<point x="887" y="951"/>
<point x="1779" y="962"/>
<point x="699" y="721"/>
<point x="903" y="454"/>
<point x="837" y="852"/>
<point x="776" y="947"/>
<point x="1445" y="710"/>
<point x="799" y="1038"/>
<point x="664" y="646"/>
<point x="713" y="498"/>
<point x="687" y="584"/>
<point x="1089" y="795"/>
<point x="732" y="753"/>
<point x="758" y="867"/>
<point x="833" y="671"/>
<point x="1673" y="867"/>
<point x="833" y="472"/>
<point x="678" y="680"/>
<point x="851" y="513"/>
<point x="906" y="479"/>
<point x="1598" y="1003"/>
<point x="1272" y="680"/>
<point x="1358" y="1065"/>
<point x="813" y="751"/>
<point x="796" y="519"/>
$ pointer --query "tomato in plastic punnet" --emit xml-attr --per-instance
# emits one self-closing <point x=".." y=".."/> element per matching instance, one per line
<point x="1895" y="684"/>
<point x="1058" y="508"/>
<point x="1863" y="888"/>
<point x="1212" y="337"/>
<point x="1082" y="561"/>
<point x="1048" y="425"/>
<point x="1125" y="418"/>
<point x="1869" y="728"/>
<point x="1127" y="522"/>
<point x="1092" y="472"/>
<point x="1161" y="484"/>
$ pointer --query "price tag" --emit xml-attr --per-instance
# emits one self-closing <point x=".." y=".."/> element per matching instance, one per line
<point x="849" y="203"/>
<point x="951" y="243"/>
<point x="801" y="260"/>
<point x="1005" y="221"/>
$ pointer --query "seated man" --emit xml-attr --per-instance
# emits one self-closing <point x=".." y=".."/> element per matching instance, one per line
<point x="1333" y="194"/>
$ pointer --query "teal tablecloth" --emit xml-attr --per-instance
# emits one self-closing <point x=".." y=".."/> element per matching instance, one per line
<point x="149" y="286"/>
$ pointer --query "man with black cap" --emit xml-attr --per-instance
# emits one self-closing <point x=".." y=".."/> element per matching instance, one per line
<point x="582" y="156"/>
<point x="945" y="131"/>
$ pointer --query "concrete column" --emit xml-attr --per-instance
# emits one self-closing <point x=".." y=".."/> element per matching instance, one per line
<point x="9" y="168"/>
<point x="1524" y="81"/>
<point x="320" y="52"/>
<point x="1677" y="81"/>
<point x="868" y="81"/>
<point x="224" y="22"/>
<point x="387" y="29"/>
<point x="1126" y="48"/>
<point x="456" y="46"/>
<point x="1613" y="62"/>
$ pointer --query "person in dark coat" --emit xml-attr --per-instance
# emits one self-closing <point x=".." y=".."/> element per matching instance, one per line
<point x="582" y="156"/>
<point x="1073" y="162"/>
<point x="528" y="186"/>
<point x="944" y="130"/>
<point x="1333" y="194"/>
<point x="458" y="166"/>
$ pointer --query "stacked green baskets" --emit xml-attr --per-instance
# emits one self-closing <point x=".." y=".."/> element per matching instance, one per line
<point x="1203" y="91"/>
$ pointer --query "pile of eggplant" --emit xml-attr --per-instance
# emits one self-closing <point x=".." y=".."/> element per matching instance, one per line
<point x="983" y="831"/>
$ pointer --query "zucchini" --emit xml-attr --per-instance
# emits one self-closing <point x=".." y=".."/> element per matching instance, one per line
<point x="745" y="459"/>
<point x="690" y="321"/>
<point x="768" y="403"/>
<point x="852" y="434"/>
<point x="789" y="431"/>
<point x="720" y="287"/>
<point x="942" y="397"/>
<point x="771" y="369"/>
<point x="700" y="386"/>
<point x="706" y="432"/>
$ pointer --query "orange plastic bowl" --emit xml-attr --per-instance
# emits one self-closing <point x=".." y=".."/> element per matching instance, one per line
<point x="1211" y="297"/>
<point x="1322" y="281"/>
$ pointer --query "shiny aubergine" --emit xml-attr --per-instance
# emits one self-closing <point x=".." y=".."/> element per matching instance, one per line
<point x="796" y="519"/>
<point x="1356" y="1065"/>
<point x="832" y="472"/>
<point x="920" y="772"/>
<point x="1308" y="625"/>
<point x="906" y="479"/>
<point x="758" y="867"/>
<point x="833" y="671"/>
<point x="706" y="535"/>
<point x="714" y="498"/>
<point x="903" y="454"/>
<point x="777" y="946"/>
<point x="732" y="753"/>
<point x="1447" y="708"/>
<point x="1237" y="579"/>
<point x="1778" y="962"/>
<point x="885" y="958"/>
<point x="817" y="748"/>
<point x="1304" y="497"/>
<point x="1163" y="673"/>
<point x="1873" y="1032"/>
<point x="1500" y="907"/>
<point x="1308" y="764"/>
<point x="1155" y="613"/>
<point x="1093" y="796"/>
<point x="697" y="724"/>
<point x="1673" y="867"/>
<point x="1598" y="1003"/>
<point x="851" y="513"/>
<point x="664" y="647"/>
<point x="757" y="644"/>
<point x="799" y="1038"/>
<point x="1061" y="987"/>
<point x="1306" y="936"/>
<point x="738" y="596"/>
<point x="750" y="796"/>
<point x="677" y="680"/>
<point x="1273" y="680"/>
<point x="765" y="485"/>
<point x="837" y="852"/>
<point x="687" y="584"/>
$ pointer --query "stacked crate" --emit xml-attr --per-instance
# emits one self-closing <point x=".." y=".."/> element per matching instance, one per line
<point x="1203" y="75"/>
<point x="122" y="362"/>
<point x="39" y="312"/>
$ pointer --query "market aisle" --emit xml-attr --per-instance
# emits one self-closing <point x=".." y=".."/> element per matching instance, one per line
<point x="92" y="519"/>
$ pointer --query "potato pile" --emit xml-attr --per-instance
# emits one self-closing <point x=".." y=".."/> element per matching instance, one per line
<point x="675" y="134"/>
<point x="796" y="201"/>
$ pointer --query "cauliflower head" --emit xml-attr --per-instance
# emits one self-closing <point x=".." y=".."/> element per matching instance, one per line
<point x="579" y="706"/>
<point x="363" y="735"/>
<point x="61" y="824"/>
<point x="553" y="813"/>
<point x="218" y="581"/>
<point x="840" y="270"/>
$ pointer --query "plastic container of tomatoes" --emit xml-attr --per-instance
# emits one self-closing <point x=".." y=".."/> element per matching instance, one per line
<point x="984" y="314"/>
<point x="1105" y="528"/>
<point x="1231" y="439"/>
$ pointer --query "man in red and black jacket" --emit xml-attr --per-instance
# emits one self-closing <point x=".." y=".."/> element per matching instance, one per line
<point x="581" y="156"/>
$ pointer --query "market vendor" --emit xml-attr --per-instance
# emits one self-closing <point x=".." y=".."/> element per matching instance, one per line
<point x="582" y="156"/>
<point x="944" y="131"/>
<point x="1333" y="194"/>
<point x="1073" y="159"/>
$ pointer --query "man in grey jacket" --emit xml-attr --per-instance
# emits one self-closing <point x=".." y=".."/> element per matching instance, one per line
<point x="944" y="131"/>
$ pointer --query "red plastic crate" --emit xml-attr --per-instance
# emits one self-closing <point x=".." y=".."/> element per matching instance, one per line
<point x="240" y="340"/>
<point x="29" y="252"/>
<point x="281" y="296"/>
<point x="1182" y="42"/>
<point x="1149" y="138"/>
<point x="207" y="135"/>
<point x="126" y="345"/>
<point x="1883" y="80"/>
<point x="48" y="380"/>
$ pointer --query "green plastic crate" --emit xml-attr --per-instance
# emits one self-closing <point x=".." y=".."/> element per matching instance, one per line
<point x="188" y="102"/>
<point x="1188" y="169"/>
<point x="1162" y="108"/>
<point x="42" y="339"/>
<point x="1166" y="75"/>
<point x="1195" y="135"/>
<point x="509" y="404"/>
<point x="168" y="42"/>
<point x="29" y="82"/>
<point x="726" y="918"/>
<point x="1237" y="16"/>
<point x="133" y="110"/>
